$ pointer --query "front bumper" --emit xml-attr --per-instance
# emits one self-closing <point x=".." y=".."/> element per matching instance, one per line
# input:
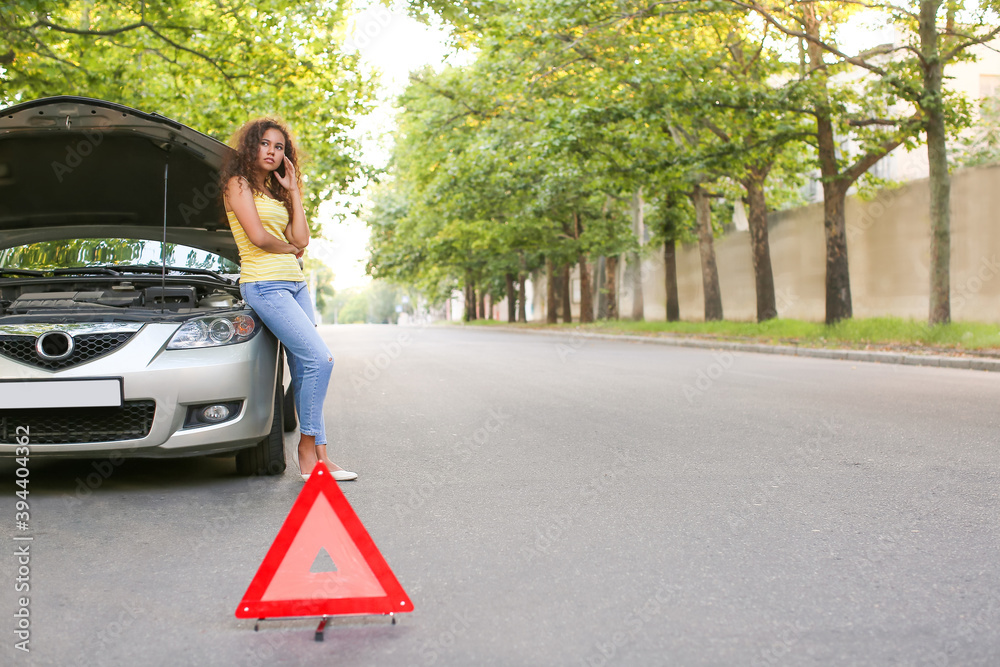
<point x="172" y="380"/>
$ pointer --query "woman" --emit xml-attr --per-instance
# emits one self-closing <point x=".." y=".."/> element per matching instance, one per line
<point x="264" y="207"/>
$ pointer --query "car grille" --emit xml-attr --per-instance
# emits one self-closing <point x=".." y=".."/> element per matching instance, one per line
<point x="60" y="426"/>
<point x="87" y="347"/>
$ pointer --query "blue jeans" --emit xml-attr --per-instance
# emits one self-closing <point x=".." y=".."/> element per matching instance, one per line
<point x="285" y="308"/>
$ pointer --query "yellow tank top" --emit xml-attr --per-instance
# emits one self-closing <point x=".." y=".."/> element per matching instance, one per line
<point x="258" y="264"/>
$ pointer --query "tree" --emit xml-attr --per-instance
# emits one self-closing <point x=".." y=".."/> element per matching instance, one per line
<point x="623" y="97"/>
<point x="857" y="108"/>
<point x="617" y="75"/>
<point x="320" y="277"/>
<point x="912" y="71"/>
<point x="499" y="175"/>
<point x="740" y="100"/>
<point x="673" y="222"/>
<point x="940" y="43"/>
<point x="211" y="64"/>
<point x="657" y="100"/>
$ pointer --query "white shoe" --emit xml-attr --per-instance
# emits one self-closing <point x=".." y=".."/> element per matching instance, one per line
<point x="338" y="475"/>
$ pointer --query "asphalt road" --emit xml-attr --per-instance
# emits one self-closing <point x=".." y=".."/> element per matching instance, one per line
<point x="560" y="501"/>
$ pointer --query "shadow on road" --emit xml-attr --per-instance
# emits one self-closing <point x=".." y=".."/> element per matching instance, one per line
<point x="80" y="476"/>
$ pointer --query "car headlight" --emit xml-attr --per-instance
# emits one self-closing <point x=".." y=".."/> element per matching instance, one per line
<point x="215" y="331"/>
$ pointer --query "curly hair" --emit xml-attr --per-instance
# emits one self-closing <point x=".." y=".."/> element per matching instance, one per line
<point x="243" y="162"/>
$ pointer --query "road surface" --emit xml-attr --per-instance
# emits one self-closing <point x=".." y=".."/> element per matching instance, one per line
<point x="559" y="501"/>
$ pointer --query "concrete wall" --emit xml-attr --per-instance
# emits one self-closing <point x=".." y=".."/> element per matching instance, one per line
<point x="888" y="241"/>
<point x="888" y="246"/>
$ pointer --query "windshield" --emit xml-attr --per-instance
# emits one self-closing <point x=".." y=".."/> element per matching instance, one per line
<point x="76" y="253"/>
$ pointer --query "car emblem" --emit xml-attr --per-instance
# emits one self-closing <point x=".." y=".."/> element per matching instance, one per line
<point x="54" y="345"/>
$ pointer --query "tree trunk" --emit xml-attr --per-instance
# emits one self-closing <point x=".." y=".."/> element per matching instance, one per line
<point x="522" y="295"/>
<point x="551" y="298"/>
<point x="489" y="307"/>
<point x="586" y="302"/>
<point x="601" y="284"/>
<point x="635" y="261"/>
<point x="522" y="289"/>
<point x="838" y="278"/>
<point x="706" y="247"/>
<point x="511" y="298"/>
<point x="470" y="301"/>
<point x="482" y="304"/>
<point x="759" y="247"/>
<point x="522" y="292"/>
<point x="567" y="293"/>
<point x="670" y="269"/>
<point x="557" y="285"/>
<point x="611" y="286"/>
<point x="937" y="161"/>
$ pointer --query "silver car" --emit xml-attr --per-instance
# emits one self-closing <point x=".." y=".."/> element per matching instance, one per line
<point x="122" y="330"/>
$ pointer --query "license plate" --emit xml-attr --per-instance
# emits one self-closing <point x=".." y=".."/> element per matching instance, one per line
<point x="83" y="393"/>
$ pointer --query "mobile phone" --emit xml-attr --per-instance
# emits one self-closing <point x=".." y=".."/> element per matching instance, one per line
<point x="281" y="169"/>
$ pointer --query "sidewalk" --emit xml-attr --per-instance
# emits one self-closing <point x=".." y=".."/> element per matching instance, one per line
<point x="964" y="360"/>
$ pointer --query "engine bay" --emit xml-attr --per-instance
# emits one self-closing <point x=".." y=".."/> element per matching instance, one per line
<point x="140" y="298"/>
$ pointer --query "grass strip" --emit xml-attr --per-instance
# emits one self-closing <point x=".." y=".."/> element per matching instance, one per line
<point x="856" y="333"/>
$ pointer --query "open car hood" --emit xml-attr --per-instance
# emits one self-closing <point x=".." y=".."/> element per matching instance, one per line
<point x="73" y="167"/>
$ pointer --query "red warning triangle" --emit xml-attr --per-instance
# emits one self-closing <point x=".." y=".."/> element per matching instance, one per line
<point x="322" y="562"/>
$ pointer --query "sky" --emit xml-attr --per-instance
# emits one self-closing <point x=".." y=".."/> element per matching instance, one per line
<point x="393" y="44"/>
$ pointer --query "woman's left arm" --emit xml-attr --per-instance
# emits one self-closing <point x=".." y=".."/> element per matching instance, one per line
<point x="296" y="231"/>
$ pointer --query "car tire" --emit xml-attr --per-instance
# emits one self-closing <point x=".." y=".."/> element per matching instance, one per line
<point x="291" y="421"/>
<point x="268" y="456"/>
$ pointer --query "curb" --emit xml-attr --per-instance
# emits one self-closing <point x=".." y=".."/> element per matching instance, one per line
<point x="938" y="361"/>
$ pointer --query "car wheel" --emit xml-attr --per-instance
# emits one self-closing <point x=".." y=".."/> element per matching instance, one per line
<point x="268" y="456"/>
<point x="291" y="422"/>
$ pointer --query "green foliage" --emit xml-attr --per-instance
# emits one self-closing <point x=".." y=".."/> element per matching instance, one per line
<point x="982" y="145"/>
<point x="355" y="310"/>
<point x="383" y="298"/>
<point x="376" y="303"/>
<point x="523" y="156"/>
<point x="320" y="277"/>
<point x="210" y="64"/>
<point x="533" y="151"/>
